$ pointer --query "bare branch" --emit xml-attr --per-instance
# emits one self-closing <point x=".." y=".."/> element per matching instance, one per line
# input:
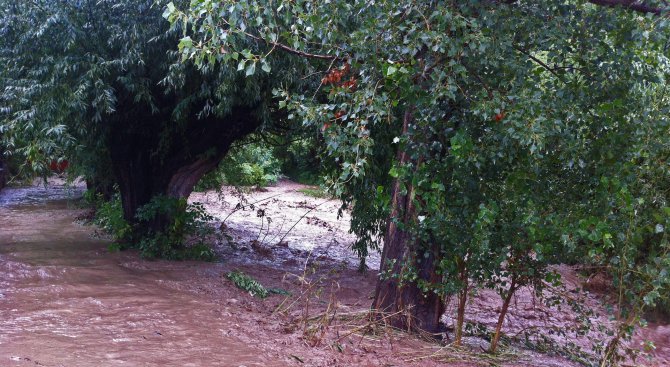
<point x="539" y="62"/>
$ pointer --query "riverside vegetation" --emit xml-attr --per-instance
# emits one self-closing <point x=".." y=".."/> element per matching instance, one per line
<point x="476" y="143"/>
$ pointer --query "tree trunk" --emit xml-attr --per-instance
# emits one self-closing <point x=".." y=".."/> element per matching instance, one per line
<point x="503" y="312"/>
<point x="3" y="171"/>
<point x="462" y="299"/>
<point x="405" y="305"/>
<point x="144" y="167"/>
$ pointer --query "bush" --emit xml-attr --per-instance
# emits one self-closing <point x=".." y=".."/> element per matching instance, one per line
<point x="210" y="181"/>
<point x="300" y="161"/>
<point x="109" y="216"/>
<point x="250" y="164"/>
<point x="184" y="236"/>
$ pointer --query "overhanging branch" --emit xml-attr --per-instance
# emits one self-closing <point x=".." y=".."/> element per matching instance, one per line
<point x="634" y="5"/>
<point x="637" y="6"/>
<point x="293" y="50"/>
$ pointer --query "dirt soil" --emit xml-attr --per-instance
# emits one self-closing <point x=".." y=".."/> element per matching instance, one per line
<point x="66" y="301"/>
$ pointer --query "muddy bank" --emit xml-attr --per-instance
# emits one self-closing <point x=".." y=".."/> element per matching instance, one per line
<point x="278" y="225"/>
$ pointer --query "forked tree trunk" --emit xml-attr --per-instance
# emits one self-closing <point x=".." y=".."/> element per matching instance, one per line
<point x="402" y="303"/>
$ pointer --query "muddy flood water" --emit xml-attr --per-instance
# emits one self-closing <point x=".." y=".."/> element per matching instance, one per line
<point x="65" y="300"/>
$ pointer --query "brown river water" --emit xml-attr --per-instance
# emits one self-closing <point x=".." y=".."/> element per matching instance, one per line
<point x="65" y="300"/>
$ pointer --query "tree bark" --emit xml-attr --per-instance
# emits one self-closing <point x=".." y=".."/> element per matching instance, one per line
<point x="503" y="313"/>
<point x="405" y="305"/>
<point x="462" y="299"/>
<point x="3" y="171"/>
<point x="144" y="168"/>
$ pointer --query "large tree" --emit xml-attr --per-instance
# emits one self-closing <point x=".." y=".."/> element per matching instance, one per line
<point x="101" y="83"/>
<point x="482" y="128"/>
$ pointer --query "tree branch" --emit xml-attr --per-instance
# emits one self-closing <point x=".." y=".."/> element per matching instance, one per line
<point x="630" y="5"/>
<point x="293" y="50"/>
<point x="539" y="62"/>
<point x="634" y="5"/>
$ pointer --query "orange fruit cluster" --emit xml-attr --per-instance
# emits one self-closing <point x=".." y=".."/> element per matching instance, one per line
<point x="335" y="77"/>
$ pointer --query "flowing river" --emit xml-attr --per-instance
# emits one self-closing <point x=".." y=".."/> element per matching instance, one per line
<point x="65" y="300"/>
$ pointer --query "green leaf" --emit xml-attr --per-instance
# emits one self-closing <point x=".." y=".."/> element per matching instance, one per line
<point x="251" y="69"/>
<point x="185" y="43"/>
<point x="393" y="172"/>
<point x="265" y="66"/>
<point x="169" y="10"/>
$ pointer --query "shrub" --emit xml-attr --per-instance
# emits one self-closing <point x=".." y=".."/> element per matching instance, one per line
<point x="300" y="161"/>
<point x="185" y="234"/>
<point x="109" y="216"/>
<point x="250" y="164"/>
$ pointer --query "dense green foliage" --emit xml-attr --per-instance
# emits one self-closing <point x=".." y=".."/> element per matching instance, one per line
<point x="300" y="157"/>
<point x="100" y="83"/>
<point x="522" y="134"/>
<point x="247" y="164"/>
<point x="185" y="238"/>
<point x="109" y="216"/>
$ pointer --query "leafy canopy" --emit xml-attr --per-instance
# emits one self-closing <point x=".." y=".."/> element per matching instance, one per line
<point x="538" y="130"/>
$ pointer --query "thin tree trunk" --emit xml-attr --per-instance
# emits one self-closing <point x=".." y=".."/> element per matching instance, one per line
<point x="462" y="300"/>
<point x="3" y="171"/>
<point x="412" y="309"/>
<point x="503" y="312"/>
